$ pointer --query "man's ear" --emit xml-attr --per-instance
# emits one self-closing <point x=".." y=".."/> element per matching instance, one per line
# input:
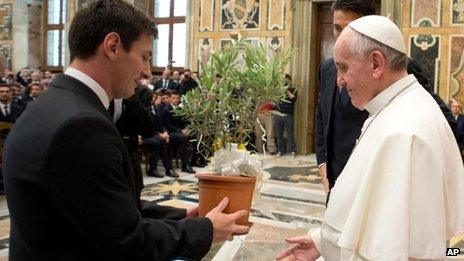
<point x="379" y="63"/>
<point x="111" y="45"/>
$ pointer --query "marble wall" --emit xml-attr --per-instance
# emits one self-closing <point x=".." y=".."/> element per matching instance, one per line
<point x="435" y="35"/>
<point x="20" y="33"/>
<point x="34" y="35"/>
<point x="214" y="21"/>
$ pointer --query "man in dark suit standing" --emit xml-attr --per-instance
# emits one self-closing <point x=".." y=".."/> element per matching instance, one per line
<point x="456" y="110"/>
<point x="338" y="123"/>
<point x="9" y="111"/>
<point x="165" y="82"/>
<point x="68" y="178"/>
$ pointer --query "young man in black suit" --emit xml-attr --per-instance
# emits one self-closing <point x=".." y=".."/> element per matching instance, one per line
<point x="165" y="82"/>
<point x="178" y="131"/>
<point x="9" y="111"/>
<point x="68" y="178"/>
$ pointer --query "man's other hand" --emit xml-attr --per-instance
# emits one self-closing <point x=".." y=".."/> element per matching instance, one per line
<point x="224" y="224"/>
<point x="192" y="212"/>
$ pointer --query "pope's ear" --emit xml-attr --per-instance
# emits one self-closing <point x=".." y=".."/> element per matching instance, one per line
<point x="111" y="45"/>
<point x="379" y="63"/>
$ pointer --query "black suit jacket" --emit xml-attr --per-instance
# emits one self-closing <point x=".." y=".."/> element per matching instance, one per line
<point x="173" y="123"/>
<point x="171" y="85"/>
<point x="14" y="113"/>
<point x="460" y="131"/>
<point x="351" y="121"/>
<point x="70" y="188"/>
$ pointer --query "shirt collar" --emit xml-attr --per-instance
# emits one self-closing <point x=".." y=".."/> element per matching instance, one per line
<point x="383" y="98"/>
<point x="91" y="83"/>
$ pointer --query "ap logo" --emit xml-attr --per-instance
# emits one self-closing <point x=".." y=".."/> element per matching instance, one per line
<point x="453" y="251"/>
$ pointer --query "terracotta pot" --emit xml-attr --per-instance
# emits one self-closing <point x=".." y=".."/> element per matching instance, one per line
<point x="213" y="188"/>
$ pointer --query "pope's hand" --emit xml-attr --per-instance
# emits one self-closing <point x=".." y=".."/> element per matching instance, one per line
<point x="224" y="224"/>
<point x="304" y="250"/>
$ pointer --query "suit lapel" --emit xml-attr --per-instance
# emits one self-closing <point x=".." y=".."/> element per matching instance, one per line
<point x="331" y="79"/>
<point x="70" y="83"/>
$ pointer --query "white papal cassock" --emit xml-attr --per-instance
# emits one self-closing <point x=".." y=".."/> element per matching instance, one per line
<point x="401" y="194"/>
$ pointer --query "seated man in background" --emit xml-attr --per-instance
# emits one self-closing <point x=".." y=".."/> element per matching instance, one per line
<point x="156" y="144"/>
<point x="178" y="131"/>
<point x="165" y="82"/>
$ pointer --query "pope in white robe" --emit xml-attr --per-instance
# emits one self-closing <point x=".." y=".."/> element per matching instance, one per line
<point x="401" y="193"/>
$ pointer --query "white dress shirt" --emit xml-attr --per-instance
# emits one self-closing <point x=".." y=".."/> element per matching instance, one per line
<point x="91" y="83"/>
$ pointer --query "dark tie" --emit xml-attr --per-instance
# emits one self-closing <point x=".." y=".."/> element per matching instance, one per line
<point x="165" y="84"/>
<point x="111" y="109"/>
<point x="6" y="110"/>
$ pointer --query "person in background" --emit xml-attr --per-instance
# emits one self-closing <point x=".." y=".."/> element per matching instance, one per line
<point x="187" y="83"/>
<point x="284" y="119"/>
<point x="456" y="110"/>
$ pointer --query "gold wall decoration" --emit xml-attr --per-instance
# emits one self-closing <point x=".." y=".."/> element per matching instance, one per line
<point x="206" y="16"/>
<point x="456" y="66"/>
<point x="457" y="12"/>
<point x="274" y="45"/>
<point x="217" y="21"/>
<point x="276" y="15"/>
<point x="5" y="22"/>
<point x="205" y="50"/>
<point x="438" y="48"/>
<point x="425" y="10"/>
<point x="240" y="14"/>
<point x="5" y="55"/>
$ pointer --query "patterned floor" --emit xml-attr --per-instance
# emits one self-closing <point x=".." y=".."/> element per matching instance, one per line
<point x="290" y="203"/>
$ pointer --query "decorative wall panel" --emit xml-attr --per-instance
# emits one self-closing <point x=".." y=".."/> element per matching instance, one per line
<point x="5" y="21"/>
<point x="276" y="15"/>
<point x="205" y="50"/>
<point x="206" y="16"/>
<point x="34" y="16"/>
<point x="6" y="55"/>
<point x="274" y="45"/>
<point x="457" y="12"/>
<point x="425" y="49"/>
<point x="240" y="14"/>
<point x="457" y="66"/>
<point x="425" y="13"/>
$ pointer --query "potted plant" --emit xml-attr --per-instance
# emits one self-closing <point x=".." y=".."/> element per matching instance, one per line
<point x="222" y="112"/>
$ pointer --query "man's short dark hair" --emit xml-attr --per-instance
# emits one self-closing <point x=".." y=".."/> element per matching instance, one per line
<point x="5" y="85"/>
<point x="288" y="76"/>
<point x="360" y="7"/>
<point x="92" y="23"/>
<point x="35" y="84"/>
<point x="174" y="92"/>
